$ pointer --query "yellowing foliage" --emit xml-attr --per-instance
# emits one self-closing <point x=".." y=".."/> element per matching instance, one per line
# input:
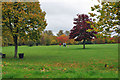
<point x="109" y="16"/>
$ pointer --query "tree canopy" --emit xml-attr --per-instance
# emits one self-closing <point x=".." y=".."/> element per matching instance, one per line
<point x="22" y="19"/>
<point x="60" y="33"/>
<point x="80" y="31"/>
<point x="108" y="18"/>
<point x="63" y="38"/>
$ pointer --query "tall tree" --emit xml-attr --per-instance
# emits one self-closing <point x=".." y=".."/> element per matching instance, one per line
<point x="23" y="19"/>
<point x="67" y="33"/>
<point x="49" y="32"/>
<point x="80" y="30"/>
<point x="60" y="33"/>
<point x="45" y="39"/>
<point x="108" y="18"/>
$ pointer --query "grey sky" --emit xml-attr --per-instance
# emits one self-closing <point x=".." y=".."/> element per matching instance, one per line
<point x="60" y="13"/>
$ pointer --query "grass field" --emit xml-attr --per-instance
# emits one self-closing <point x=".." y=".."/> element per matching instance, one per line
<point x="62" y="62"/>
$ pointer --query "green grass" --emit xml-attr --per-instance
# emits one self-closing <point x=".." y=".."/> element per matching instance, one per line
<point x="62" y="62"/>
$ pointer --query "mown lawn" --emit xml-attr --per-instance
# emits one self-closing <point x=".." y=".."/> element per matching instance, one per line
<point x="62" y="62"/>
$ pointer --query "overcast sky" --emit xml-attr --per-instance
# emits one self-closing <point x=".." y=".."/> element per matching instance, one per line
<point x="60" y="13"/>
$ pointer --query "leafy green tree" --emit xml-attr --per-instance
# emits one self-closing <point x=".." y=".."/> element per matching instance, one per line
<point x="67" y="33"/>
<point x="53" y="42"/>
<point x="7" y="39"/>
<point x="60" y="33"/>
<point x="45" y="39"/>
<point x="23" y="19"/>
<point x="49" y="32"/>
<point x="30" y="43"/>
<point x="107" y="21"/>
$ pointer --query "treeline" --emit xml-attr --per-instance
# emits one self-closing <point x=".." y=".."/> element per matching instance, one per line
<point x="48" y="38"/>
<point x="105" y="39"/>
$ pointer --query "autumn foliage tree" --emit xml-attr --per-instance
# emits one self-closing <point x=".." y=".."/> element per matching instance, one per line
<point x="63" y="38"/>
<point x="23" y="20"/>
<point x="108" y="18"/>
<point x="80" y="31"/>
<point x="60" y="33"/>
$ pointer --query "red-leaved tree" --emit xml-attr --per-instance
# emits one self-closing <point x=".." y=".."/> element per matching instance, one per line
<point x="63" y="38"/>
<point x="80" y="31"/>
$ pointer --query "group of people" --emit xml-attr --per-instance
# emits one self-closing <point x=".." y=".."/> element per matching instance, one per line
<point x="64" y="44"/>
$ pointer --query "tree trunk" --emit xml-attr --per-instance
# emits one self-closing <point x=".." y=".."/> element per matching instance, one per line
<point x="16" y="46"/>
<point x="84" y="44"/>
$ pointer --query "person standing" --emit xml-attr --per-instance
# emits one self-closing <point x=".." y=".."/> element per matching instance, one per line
<point x="60" y="44"/>
<point x="65" y="44"/>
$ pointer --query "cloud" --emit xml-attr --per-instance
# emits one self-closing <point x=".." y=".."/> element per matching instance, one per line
<point x="60" y="13"/>
<point x="57" y="9"/>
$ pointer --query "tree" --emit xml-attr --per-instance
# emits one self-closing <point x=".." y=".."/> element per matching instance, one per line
<point x="80" y="31"/>
<point x="45" y="39"/>
<point x="60" y="33"/>
<point x="23" y="19"/>
<point x="108" y="20"/>
<point x="53" y="42"/>
<point x="117" y="39"/>
<point x="67" y="33"/>
<point x="7" y="39"/>
<point x="49" y="32"/>
<point x="63" y="38"/>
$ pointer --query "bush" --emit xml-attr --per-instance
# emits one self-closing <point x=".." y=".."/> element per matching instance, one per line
<point x="99" y="41"/>
<point x="30" y="43"/>
<point x="53" y="42"/>
<point x="37" y="42"/>
<point x="47" y="42"/>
